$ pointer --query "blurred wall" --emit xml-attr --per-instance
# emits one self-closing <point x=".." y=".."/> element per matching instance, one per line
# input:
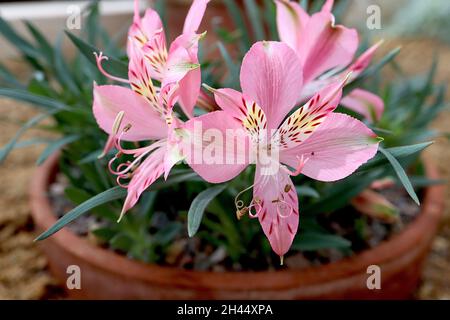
<point x="404" y="18"/>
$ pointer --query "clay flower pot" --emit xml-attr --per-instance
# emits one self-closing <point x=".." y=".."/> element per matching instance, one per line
<point x="107" y="275"/>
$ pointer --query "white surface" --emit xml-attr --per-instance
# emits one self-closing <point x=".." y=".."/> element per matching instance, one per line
<point x="57" y="9"/>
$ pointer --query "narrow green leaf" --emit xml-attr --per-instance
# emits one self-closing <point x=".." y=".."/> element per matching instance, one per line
<point x="55" y="146"/>
<point x="8" y="78"/>
<point x="304" y="4"/>
<point x="30" y="142"/>
<point x="62" y="70"/>
<point x="238" y="20"/>
<point x="307" y="192"/>
<point x="270" y="17"/>
<point x="233" y="69"/>
<point x="92" y="23"/>
<point x="312" y="241"/>
<point x="25" y="47"/>
<point x="255" y="19"/>
<point x="29" y="124"/>
<point x="397" y="152"/>
<point x="114" y="66"/>
<point x="41" y="41"/>
<point x="79" y="195"/>
<point x="401" y="174"/>
<point x="420" y="182"/>
<point x="168" y="233"/>
<point x="102" y="198"/>
<point x="23" y="95"/>
<point x="199" y="205"/>
<point x="339" y="194"/>
<point x="380" y="64"/>
<point x="372" y="70"/>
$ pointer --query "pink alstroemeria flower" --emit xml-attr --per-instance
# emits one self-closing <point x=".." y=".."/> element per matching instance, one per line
<point x="179" y="64"/>
<point x="313" y="140"/>
<point x="145" y="111"/>
<point x="326" y="51"/>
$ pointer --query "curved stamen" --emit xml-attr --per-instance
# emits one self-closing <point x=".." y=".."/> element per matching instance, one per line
<point x="119" y="182"/>
<point x="282" y="206"/>
<point x="241" y="208"/>
<point x="138" y="151"/>
<point x="254" y="204"/>
<point x="99" y="58"/>
<point x="301" y="164"/>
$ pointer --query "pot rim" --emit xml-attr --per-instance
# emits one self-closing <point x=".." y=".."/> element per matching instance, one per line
<point x="416" y="235"/>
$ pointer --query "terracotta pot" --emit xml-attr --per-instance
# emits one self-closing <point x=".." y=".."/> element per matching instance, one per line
<point x="107" y="275"/>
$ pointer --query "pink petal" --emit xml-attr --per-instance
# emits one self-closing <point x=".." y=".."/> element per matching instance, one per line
<point x="144" y="29"/>
<point x="139" y="74"/>
<point x="251" y="115"/>
<point x="230" y="101"/>
<point x="147" y="173"/>
<point x="183" y="68"/>
<point x="231" y="158"/>
<point x="178" y="65"/>
<point x="363" y="60"/>
<point x="175" y="147"/>
<point x="195" y="16"/>
<point x="109" y="100"/>
<point x="291" y="22"/>
<point x="271" y="75"/>
<point x="277" y="207"/>
<point x="325" y="46"/>
<point x="189" y="91"/>
<point x="365" y="103"/>
<point x="305" y="120"/>
<point x="335" y="150"/>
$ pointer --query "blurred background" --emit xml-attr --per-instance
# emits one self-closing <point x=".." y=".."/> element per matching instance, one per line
<point x="419" y="27"/>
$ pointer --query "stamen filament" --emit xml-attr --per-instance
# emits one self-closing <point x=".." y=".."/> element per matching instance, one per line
<point x="99" y="58"/>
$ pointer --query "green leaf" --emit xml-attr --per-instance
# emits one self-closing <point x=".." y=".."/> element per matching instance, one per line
<point x="312" y="241"/>
<point x="62" y="70"/>
<point x="121" y="241"/>
<point x="233" y="69"/>
<point x="106" y="234"/>
<point x="102" y="198"/>
<point x="304" y="4"/>
<point x="420" y="181"/>
<point x="44" y="46"/>
<point x="307" y="192"/>
<point x="397" y="152"/>
<point x="338" y="194"/>
<point x="30" y="142"/>
<point x="168" y="233"/>
<point x="78" y="196"/>
<point x="25" y="96"/>
<point x="401" y="174"/>
<point x="114" y="66"/>
<point x="238" y="20"/>
<point x="270" y="17"/>
<point x="372" y="70"/>
<point x="55" y="146"/>
<point x="199" y="205"/>
<point x="255" y="19"/>
<point x="9" y="79"/>
<point x="25" y="47"/>
<point x="10" y="145"/>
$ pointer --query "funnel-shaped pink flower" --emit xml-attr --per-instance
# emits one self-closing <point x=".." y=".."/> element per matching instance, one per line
<point x="326" y="51"/>
<point x="144" y="112"/>
<point x="312" y="140"/>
